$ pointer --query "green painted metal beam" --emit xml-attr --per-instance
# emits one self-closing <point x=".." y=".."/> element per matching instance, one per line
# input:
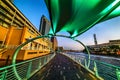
<point x="78" y="16"/>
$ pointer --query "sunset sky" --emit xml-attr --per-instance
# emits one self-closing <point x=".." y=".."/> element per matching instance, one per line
<point x="105" y="31"/>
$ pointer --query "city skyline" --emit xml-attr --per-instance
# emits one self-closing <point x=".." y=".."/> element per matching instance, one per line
<point x="105" y="31"/>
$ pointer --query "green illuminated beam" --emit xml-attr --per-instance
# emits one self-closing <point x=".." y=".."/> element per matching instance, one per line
<point x="113" y="14"/>
<point x="101" y="18"/>
<point x="77" y="16"/>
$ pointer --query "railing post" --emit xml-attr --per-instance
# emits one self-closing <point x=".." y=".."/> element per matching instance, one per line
<point x="49" y="57"/>
<point x="29" y="69"/>
<point x="95" y="69"/>
<point x="44" y="60"/>
<point x="86" y="64"/>
<point x="118" y="74"/>
<point x="4" y="75"/>
<point x="39" y="66"/>
<point x="79" y="60"/>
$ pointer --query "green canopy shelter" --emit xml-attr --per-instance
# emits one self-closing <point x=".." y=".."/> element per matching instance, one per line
<point x="77" y="16"/>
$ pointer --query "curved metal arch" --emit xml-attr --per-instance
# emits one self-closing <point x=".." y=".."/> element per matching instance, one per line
<point x="18" y="49"/>
<point x="49" y="35"/>
<point x="88" y="63"/>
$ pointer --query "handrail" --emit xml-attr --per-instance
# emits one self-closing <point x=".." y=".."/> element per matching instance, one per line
<point x="18" y="49"/>
<point x="100" y="69"/>
<point x="105" y="64"/>
<point x="25" y="69"/>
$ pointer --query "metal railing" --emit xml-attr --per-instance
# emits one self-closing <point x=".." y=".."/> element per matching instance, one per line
<point x="100" y="69"/>
<point x="25" y="69"/>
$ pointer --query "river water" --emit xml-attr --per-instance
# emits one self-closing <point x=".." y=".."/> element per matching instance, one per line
<point x="111" y="60"/>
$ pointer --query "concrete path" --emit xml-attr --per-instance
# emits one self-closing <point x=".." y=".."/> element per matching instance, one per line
<point x="62" y="68"/>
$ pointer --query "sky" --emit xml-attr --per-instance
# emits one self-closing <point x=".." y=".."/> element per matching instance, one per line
<point x="33" y="10"/>
<point x="105" y="31"/>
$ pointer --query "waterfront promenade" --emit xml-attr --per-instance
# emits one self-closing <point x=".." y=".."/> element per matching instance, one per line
<point x="62" y="68"/>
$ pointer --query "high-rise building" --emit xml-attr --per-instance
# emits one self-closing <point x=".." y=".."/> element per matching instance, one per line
<point x="16" y="29"/>
<point x="44" y="25"/>
<point x="95" y="39"/>
<point x="55" y="43"/>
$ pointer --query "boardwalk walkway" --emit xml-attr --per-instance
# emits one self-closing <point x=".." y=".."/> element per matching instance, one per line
<point x="62" y="68"/>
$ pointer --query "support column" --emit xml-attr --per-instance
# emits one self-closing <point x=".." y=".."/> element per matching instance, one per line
<point x="9" y="34"/>
<point x="23" y="34"/>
